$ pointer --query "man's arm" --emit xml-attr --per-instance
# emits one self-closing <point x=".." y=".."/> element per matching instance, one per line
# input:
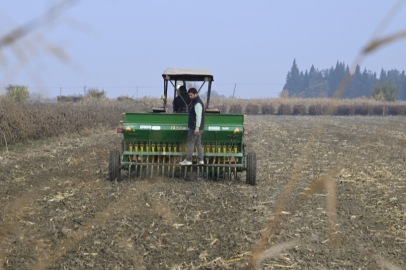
<point x="198" y="110"/>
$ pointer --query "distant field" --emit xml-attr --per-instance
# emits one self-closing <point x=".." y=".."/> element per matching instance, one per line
<point x="30" y="121"/>
<point x="311" y="106"/>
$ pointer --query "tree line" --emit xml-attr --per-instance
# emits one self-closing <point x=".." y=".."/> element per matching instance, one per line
<point x="390" y="85"/>
<point x="20" y="93"/>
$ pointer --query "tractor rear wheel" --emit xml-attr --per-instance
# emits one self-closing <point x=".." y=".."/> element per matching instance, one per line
<point x="251" y="174"/>
<point x="114" y="165"/>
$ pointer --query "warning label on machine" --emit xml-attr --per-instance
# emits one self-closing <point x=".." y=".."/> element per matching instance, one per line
<point x="179" y="127"/>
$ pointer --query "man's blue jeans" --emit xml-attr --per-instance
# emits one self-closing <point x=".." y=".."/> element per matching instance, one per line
<point x="192" y="140"/>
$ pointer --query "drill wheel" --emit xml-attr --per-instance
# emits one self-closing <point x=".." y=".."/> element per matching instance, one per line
<point x="251" y="174"/>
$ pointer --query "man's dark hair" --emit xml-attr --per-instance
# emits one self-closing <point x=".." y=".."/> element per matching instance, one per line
<point x="192" y="90"/>
<point x="182" y="89"/>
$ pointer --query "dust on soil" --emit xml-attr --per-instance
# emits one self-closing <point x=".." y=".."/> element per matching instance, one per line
<point x="59" y="211"/>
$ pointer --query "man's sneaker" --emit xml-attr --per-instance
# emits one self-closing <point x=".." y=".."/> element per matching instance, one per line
<point x="201" y="162"/>
<point x="185" y="162"/>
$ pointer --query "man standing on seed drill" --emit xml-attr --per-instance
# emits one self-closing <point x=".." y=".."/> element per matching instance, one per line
<point x="196" y="127"/>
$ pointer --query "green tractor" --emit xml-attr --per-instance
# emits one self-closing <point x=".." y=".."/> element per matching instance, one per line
<point x="154" y="143"/>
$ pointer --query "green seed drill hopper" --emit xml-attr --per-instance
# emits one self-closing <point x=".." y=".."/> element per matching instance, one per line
<point x="154" y="143"/>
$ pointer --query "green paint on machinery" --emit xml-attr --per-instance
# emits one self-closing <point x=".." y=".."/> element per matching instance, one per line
<point x="154" y="143"/>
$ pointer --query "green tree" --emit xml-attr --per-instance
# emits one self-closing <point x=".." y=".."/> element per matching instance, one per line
<point x="318" y="89"/>
<point x="96" y="93"/>
<point x="385" y="91"/>
<point x="284" y="93"/>
<point x="18" y="92"/>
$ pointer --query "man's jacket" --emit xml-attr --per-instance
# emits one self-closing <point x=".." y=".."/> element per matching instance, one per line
<point x="193" y="115"/>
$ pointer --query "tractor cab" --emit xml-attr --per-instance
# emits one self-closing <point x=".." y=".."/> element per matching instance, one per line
<point x="174" y="78"/>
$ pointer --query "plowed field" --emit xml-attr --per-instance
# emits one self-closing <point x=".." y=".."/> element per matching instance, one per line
<point x="59" y="211"/>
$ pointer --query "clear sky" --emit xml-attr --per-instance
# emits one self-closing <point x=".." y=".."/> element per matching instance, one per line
<point x="121" y="45"/>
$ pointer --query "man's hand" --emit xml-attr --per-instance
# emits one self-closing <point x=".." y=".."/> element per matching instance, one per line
<point x="196" y="131"/>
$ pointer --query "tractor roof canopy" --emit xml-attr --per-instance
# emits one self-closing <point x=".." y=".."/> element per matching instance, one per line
<point x="174" y="75"/>
<point x="188" y="74"/>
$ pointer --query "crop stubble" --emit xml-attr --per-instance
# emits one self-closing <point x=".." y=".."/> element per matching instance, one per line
<point x="58" y="210"/>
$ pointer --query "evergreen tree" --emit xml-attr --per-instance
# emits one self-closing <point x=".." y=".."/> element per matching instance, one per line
<point x="302" y="86"/>
<point x="368" y="80"/>
<point x="318" y="86"/>
<point x="393" y="75"/>
<point x="355" y="88"/>
<point x="344" y="92"/>
<point x="325" y="83"/>
<point x="306" y="79"/>
<point x="293" y="82"/>
<point x="336" y="77"/>
<point x="382" y="77"/>
<point x="329" y="77"/>
<point x="402" y="86"/>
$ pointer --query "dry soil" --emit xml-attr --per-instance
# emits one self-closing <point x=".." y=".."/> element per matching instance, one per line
<point x="59" y="211"/>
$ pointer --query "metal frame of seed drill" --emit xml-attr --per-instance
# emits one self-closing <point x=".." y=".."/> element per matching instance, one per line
<point x="154" y="143"/>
